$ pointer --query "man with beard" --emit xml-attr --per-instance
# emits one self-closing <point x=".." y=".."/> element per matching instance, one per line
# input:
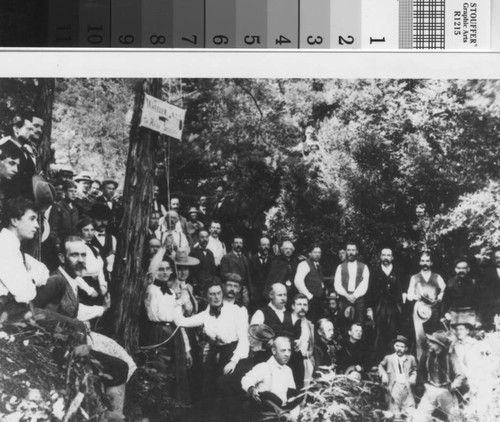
<point x="236" y="262"/>
<point x="154" y="223"/>
<point x="385" y="303"/>
<point x="108" y="198"/>
<point x="260" y="264"/>
<point x="309" y="282"/>
<point x="301" y="360"/>
<point x="95" y="191"/>
<point x="157" y="206"/>
<point x="275" y="316"/>
<point x="193" y="227"/>
<point x="170" y="227"/>
<point x="325" y="347"/>
<point x="283" y="268"/>
<point x="399" y="372"/>
<point x="21" y="135"/>
<point x="462" y="292"/>
<point x="205" y="272"/>
<point x="272" y="380"/>
<point x="426" y="290"/>
<point x="351" y="284"/>
<point x="203" y="210"/>
<point x="215" y="244"/>
<point x="103" y="241"/>
<point x="175" y="205"/>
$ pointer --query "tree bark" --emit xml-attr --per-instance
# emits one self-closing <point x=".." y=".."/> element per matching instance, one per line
<point x="128" y="280"/>
<point x="43" y="109"/>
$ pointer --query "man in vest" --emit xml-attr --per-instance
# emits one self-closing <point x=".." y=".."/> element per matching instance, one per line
<point x="309" y="282"/>
<point x="351" y="283"/>
<point x="275" y="316"/>
<point x="426" y="290"/>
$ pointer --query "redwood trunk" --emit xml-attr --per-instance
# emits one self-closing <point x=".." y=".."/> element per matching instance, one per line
<point x="128" y="281"/>
<point x="43" y="109"/>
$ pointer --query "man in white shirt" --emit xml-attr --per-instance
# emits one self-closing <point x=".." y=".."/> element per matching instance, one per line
<point x="272" y="381"/>
<point x="171" y="227"/>
<point x="351" y="283"/>
<point x="215" y="244"/>
<point x="225" y="325"/>
<point x="20" y="274"/>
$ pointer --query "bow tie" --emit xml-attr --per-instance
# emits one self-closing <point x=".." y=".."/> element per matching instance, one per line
<point x="163" y="287"/>
<point x="215" y="311"/>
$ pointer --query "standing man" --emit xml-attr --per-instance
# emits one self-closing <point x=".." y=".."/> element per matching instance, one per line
<point x="309" y="282"/>
<point x="425" y="292"/>
<point x="260" y="264"/>
<point x="442" y="376"/>
<point x="399" y="372"/>
<point x="175" y="205"/>
<point x="205" y="272"/>
<point x="351" y="283"/>
<point x="83" y="202"/>
<point x="283" y="268"/>
<point x="193" y="227"/>
<point x="203" y="210"/>
<point x="275" y="316"/>
<point x="108" y="198"/>
<point x="215" y="244"/>
<point x="236" y="262"/>
<point x="385" y="303"/>
<point x="103" y="240"/>
<point x="157" y="206"/>
<point x="301" y="361"/>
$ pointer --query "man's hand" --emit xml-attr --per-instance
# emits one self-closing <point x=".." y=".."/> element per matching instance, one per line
<point x="385" y="379"/>
<point x="455" y="385"/>
<point x="369" y="314"/>
<point x="254" y="394"/>
<point x="189" y="360"/>
<point x="351" y="298"/>
<point x="107" y="302"/>
<point x="229" y="368"/>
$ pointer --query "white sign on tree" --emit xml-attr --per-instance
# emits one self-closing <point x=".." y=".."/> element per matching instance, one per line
<point x="162" y="117"/>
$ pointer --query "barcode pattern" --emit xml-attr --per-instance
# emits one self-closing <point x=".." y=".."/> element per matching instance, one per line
<point x="428" y="24"/>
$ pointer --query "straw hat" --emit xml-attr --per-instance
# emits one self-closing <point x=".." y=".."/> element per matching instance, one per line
<point x="182" y="258"/>
<point x="423" y="311"/>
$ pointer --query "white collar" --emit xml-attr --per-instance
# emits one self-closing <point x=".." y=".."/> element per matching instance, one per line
<point x="275" y="309"/>
<point x="11" y="238"/>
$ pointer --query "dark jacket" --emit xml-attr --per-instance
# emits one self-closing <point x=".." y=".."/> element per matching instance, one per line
<point x="205" y="271"/>
<point x="116" y="213"/>
<point x="384" y="290"/>
<point x="259" y="273"/>
<point x="231" y="263"/>
<point x="281" y="271"/>
<point x="63" y="220"/>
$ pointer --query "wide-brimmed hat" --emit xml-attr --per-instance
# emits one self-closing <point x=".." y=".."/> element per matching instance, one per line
<point x="332" y="295"/>
<point x="261" y="332"/>
<point x="100" y="211"/>
<point x="236" y="278"/>
<point x="401" y="339"/>
<point x="463" y="316"/>
<point x="43" y="192"/>
<point x="84" y="176"/>
<point x="423" y="311"/>
<point x="439" y="337"/>
<point x="109" y="182"/>
<point x="182" y="258"/>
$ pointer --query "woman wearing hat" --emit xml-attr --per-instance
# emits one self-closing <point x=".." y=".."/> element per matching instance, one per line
<point x="170" y="342"/>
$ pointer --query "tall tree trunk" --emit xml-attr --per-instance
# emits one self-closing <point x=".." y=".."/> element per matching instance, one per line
<point x="43" y="109"/>
<point x="128" y="281"/>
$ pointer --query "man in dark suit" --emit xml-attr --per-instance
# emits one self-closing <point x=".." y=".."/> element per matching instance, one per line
<point x="260" y="264"/>
<point x="236" y="262"/>
<point x="108" y="198"/>
<point x="491" y="293"/>
<point x="283" y="268"/>
<point x="205" y="271"/>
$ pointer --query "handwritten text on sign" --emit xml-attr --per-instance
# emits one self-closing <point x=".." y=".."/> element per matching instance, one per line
<point x="162" y="117"/>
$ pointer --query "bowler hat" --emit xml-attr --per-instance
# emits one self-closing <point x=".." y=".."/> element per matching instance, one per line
<point x="84" y="176"/>
<point x="183" y="259"/>
<point x="43" y="192"/>
<point x="401" y="339"/>
<point x="236" y="278"/>
<point x="193" y="210"/>
<point x="261" y="332"/>
<point x="109" y="182"/>
<point x="439" y="337"/>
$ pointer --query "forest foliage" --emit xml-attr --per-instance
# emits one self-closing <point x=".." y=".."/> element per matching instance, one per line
<point x="387" y="147"/>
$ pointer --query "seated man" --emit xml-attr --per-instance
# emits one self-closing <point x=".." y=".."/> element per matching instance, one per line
<point x="270" y="384"/>
<point x="325" y="347"/>
<point x="117" y="368"/>
<point x="354" y="351"/>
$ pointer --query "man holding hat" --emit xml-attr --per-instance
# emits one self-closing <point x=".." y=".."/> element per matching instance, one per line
<point x="399" y="372"/>
<point x="83" y="181"/>
<point x="442" y="376"/>
<point x="108" y="198"/>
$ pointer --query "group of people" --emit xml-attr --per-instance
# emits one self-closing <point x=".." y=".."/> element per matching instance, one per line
<point x="239" y="333"/>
